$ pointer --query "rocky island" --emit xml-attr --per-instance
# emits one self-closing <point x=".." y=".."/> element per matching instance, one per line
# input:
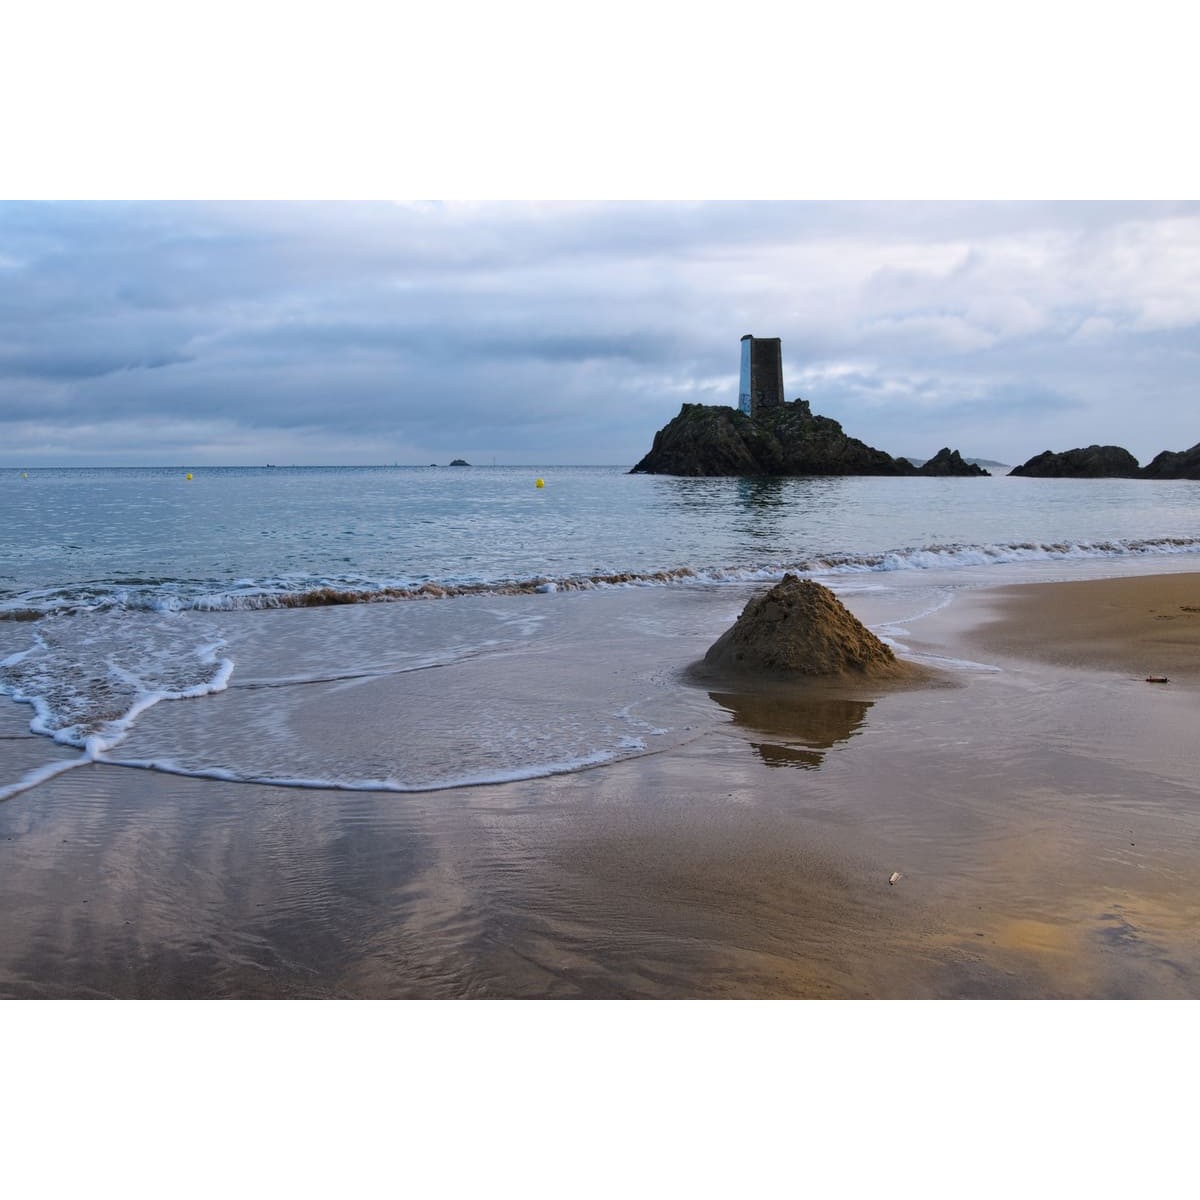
<point x="786" y="439"/>
<point x="1110" y="462"/>
<point x="767" y="435"/>
<point x="1090" y="462"/>
<point x="1174" y="464"/>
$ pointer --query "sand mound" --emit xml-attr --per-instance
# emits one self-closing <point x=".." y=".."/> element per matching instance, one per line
<point x="801" y="628"/>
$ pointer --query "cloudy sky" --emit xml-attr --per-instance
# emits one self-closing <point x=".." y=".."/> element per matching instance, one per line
<point x="140" y="333"/>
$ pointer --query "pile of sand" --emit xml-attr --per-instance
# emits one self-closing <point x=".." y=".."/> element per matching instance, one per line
<point x="801" y="628"/>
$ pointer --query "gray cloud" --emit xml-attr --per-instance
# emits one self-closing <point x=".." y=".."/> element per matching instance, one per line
<point x="569" y="333"/>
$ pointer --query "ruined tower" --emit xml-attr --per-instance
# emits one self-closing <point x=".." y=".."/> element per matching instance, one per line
<point x="760" y="384"/>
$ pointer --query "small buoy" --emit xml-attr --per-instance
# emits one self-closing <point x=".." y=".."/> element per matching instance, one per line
<point x="24" y="474"/>
<point x="540" y="483"/>
<point x="188" y="475"/>
<point x="896" y="877"/>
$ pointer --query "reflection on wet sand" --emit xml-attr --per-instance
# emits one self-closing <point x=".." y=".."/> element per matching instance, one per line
<point x="1043" y="823"/>
<point x="802" y="728"/>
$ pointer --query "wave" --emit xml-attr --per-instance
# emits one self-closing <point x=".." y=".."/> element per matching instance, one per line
<point x="482" y="778"/>
<point x="170" y="596"/>
<point x="90" y="695"/>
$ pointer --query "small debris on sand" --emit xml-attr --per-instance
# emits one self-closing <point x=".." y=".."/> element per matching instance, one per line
<point x="896" y="877"/>
<point x="1156" y="679"/>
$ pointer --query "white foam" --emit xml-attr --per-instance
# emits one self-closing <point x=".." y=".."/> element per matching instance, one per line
<point x="39" y="643"/>
<point x="529" y="753"/>
<point x="38" y="775"/>
<point x="477" y="779"/>
<point x="281" y="591"/>
<point x="955" y="664"/>
<point x="87" y="686"/>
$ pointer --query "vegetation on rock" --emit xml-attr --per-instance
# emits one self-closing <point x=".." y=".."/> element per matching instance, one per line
<point x="789" y="440"/>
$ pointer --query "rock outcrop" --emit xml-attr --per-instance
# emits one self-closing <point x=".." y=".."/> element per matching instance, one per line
<point x="800" y="628"/>
<point x="706" y="439"/>
<point x="949" y="462"/>
<point x="1111" y="462"/>
<point x="1090" y="462"/>
<point x="1174" y="464"/>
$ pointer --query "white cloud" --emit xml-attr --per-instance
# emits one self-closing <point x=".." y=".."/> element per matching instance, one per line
<point x="1094" y="329"/>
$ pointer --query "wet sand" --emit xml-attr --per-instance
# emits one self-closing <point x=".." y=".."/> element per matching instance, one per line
<point x="1041" y="809"/>
<point x="1144" y="625"/>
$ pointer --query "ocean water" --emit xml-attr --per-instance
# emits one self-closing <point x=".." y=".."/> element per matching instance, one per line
<point x="416" y="629"/>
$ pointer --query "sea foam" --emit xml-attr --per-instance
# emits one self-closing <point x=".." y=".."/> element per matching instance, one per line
<point x="88" y="691"/>
<point x="168" y="597"/>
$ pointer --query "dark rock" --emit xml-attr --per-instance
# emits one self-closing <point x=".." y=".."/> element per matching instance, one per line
<point x="709" y="439"/>
<point x="949" y="462"/>
<point x="1174" y="464"/>
<point x="460" y="462"/>
<point x="1091" y="462"/>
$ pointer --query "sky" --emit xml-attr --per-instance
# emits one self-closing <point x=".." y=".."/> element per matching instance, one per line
<point x="252" y="231"/>
<point x="569" y="332"/>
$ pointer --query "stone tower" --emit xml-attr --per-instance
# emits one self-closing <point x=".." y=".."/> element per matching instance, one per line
<point x="760" y="384"/>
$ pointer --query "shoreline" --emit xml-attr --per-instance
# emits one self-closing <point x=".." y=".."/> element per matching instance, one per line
<point x="1042" y="818"/>
<point x="1137" y="624"/>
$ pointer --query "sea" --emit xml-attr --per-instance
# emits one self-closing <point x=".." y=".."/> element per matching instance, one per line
<point x="416" y="629"/>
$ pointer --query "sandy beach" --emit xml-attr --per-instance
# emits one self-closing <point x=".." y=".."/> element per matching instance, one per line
<point x="1039" y="806"/>
<point x="1147" y="625"/>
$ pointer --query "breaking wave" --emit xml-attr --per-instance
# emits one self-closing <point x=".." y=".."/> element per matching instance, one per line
<point x="169" y="596"/>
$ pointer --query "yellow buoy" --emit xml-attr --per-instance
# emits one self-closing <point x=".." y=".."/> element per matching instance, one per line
<point x="188" y="475"/>
<point x="540" y="483"/>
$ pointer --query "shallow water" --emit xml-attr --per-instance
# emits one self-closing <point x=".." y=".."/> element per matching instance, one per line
<point x="253" y="537"/>
<point x="626" y="832"/>
<point x="151" y="589"/>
